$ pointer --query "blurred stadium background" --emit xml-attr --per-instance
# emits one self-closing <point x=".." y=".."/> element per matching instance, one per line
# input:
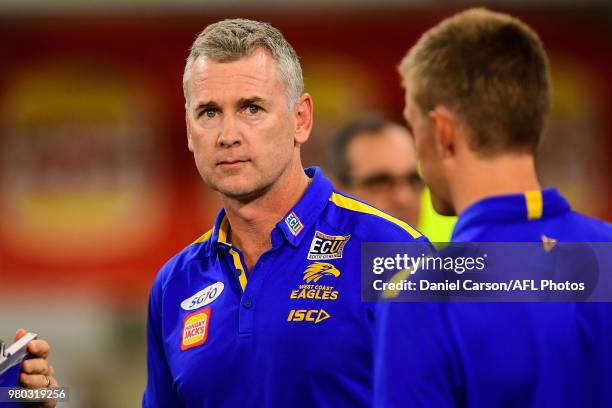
<point x="98" y="190"/>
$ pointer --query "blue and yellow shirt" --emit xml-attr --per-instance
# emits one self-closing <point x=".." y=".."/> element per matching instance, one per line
<point x="501" y="354"/>
<point x="533" y="216"/>
<point x="292" y="332"/>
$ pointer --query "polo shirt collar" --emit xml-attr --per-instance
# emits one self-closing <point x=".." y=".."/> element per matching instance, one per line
<point x="308" y="209"/>
<point x="293" y="225"/>
<point x="530" y="205"/>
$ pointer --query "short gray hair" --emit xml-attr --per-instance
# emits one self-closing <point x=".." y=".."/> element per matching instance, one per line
<point x="231" y="40"/>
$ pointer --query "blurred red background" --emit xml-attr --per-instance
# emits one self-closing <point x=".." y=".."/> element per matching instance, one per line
<point x="97" y="188"/>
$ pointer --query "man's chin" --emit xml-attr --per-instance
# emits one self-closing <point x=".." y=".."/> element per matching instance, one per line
<point x="442" y="207"/>
<point x="240" y="193"/>
<point x="409" y="217"/>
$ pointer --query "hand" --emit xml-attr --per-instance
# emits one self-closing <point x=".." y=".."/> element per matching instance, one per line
<point x="36" y="372"/>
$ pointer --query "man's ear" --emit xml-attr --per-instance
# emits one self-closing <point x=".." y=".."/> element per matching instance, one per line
<point x="445" y="128"/>
<point x="188" y="127"/>
<point x="303" y="111"/>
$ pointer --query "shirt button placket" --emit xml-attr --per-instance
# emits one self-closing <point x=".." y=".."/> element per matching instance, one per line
<point x="248" y="302"/>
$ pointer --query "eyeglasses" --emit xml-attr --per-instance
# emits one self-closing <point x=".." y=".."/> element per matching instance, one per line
<point x="385" y="182"/>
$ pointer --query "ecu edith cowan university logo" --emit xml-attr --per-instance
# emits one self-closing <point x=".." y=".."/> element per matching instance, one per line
<point x="325" y="246"/>
<point x="294" y="224"/>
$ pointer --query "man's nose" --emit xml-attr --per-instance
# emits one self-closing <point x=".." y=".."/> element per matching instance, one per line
<point x="229" y="133"/>
<point x="403" y="193"/>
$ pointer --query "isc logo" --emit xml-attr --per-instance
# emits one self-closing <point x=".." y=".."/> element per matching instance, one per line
<point x="302" y="315"/>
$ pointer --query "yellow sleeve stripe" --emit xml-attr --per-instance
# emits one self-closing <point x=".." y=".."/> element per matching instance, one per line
<point x="238" y="265"/>
<point x="533" y="199"/>
<point x="354" y="205"/>
<point x="204" y="237"/>
<point x="223" y="230"/>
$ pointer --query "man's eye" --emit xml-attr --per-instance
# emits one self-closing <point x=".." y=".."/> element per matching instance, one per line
<point x="378" y="181"/>
<point x="210" y="113"/>
<point x="253" y="109"/>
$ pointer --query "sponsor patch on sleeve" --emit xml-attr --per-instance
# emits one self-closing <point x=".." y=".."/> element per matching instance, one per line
<point x="204" y="297"/>
<point x="195" y="329"/>
<point x="325" y="246"/>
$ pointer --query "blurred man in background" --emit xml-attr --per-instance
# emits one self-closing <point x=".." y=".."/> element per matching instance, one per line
<point x="477" y="92"/>
<point x="374" y="160"/>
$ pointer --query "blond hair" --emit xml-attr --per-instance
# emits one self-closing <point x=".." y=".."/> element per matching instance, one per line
<point x="489" y="68"/>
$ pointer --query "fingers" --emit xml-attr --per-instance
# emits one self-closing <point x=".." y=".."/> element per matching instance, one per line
<point x="35" y="366"/>
<point x="36" y="372"/>
<point x="19" y="334"/>
<point x="39" y="348"/>
<point x="35" y="380"/>
<point x="51" y="403"/>
<point x="39" y="380"/>
<point x="53" y="384"/>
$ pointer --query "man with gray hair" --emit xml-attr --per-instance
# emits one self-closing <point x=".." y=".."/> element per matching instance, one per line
<point x="263" y="310"/>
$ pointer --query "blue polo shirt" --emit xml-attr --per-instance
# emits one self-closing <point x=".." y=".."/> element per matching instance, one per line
<point x="528" y="217"/>
<point x="500" y="354"/>
<point x="292" y="332"/>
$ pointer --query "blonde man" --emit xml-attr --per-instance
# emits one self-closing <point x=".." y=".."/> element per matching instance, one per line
<point x="477" y="91"/>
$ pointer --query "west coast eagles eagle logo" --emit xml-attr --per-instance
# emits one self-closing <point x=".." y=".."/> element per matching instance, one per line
<point x="317" y="270"/>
